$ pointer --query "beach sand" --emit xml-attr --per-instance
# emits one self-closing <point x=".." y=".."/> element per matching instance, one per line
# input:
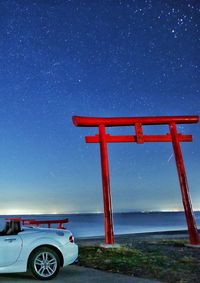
<point x="128" y="238"/>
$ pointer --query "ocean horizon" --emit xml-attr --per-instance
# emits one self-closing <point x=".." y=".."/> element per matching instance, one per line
<point x="92" y="224"/>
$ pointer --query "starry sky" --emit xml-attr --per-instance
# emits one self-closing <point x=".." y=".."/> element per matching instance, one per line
<point x="95" y="58"/>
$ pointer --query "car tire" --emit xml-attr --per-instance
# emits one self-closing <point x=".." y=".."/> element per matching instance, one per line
<point x="44" y="263"/>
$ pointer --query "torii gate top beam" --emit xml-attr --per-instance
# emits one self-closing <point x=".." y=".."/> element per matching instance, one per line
<point x="81" y="121"/>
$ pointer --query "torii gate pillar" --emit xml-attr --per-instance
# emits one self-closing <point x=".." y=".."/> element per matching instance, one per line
<point x="194" y="235"/>
<point x="108" y="222"/>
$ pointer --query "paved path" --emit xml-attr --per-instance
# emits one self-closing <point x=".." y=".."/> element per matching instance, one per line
<point x="76" y="274"/>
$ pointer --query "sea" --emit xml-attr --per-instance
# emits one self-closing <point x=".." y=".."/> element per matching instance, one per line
<point x="92" y="224"/>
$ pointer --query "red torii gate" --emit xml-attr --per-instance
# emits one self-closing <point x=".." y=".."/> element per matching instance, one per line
<point x="173" y="136"/>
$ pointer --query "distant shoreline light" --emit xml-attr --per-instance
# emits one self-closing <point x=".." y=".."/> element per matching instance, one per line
<point x="25" y="212"/>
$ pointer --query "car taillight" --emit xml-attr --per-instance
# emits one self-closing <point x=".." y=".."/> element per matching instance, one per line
<point x="71" y="239"/>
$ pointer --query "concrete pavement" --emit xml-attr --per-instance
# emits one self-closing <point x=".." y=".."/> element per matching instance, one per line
<point x="76" y="274"/>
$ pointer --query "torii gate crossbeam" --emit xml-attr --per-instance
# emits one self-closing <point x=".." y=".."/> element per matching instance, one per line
<point x="173" y="136"/>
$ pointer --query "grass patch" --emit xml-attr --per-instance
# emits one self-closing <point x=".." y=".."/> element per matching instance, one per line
<point x="167" y="261"/>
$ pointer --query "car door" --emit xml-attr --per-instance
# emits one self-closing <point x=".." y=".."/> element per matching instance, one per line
<point x="10" y="248"/>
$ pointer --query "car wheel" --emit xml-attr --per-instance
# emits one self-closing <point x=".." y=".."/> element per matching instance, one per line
<point x="44" y="263"/>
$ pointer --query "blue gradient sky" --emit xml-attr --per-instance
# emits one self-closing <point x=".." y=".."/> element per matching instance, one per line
<point x="95" y="58"/>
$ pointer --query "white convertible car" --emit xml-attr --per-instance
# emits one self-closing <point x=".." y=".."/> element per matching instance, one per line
<point x="41" y="250"/>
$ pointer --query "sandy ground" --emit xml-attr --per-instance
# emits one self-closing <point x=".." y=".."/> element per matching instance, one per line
<point x="121" y="239"/>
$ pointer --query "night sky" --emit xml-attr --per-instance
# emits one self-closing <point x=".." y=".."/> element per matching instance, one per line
<point x="95" y="58"/>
